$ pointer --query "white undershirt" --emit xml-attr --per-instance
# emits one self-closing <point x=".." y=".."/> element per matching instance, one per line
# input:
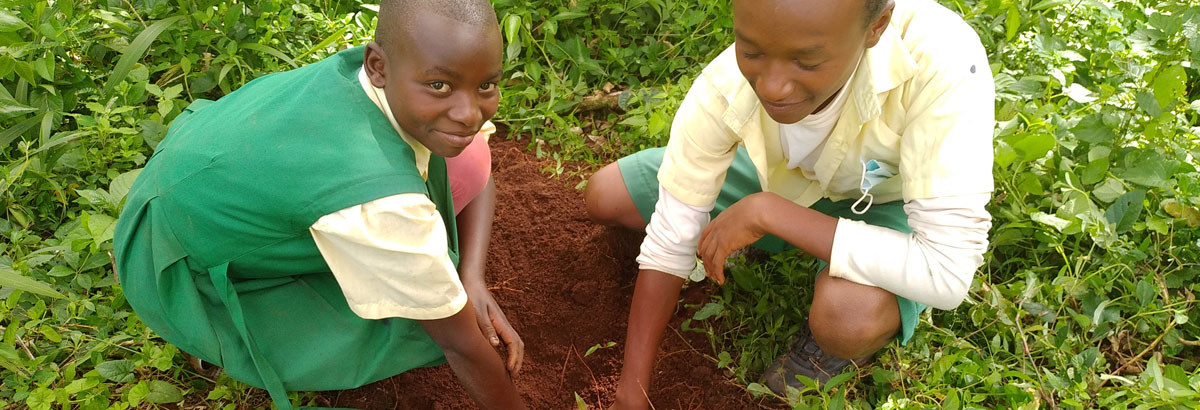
<point x="934" y="265"/>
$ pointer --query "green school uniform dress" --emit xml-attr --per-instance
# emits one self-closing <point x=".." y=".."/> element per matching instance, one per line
<point x="214" y="251"/>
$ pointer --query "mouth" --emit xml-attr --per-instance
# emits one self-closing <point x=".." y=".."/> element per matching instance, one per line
<point x="457" y="139"/>
<point x="779" y="106"/>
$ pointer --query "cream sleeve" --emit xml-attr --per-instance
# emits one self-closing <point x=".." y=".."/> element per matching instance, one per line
<point x="933" y="265"/>
<point x="672" y="236"/>
<point x="390" y="256"/>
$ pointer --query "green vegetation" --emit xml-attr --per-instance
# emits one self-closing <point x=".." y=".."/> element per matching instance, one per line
<point x="1086" y="300"/>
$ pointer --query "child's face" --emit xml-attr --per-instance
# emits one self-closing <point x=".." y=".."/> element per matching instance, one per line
<point x="797" y="54"/>
<point x="440" y="81"/>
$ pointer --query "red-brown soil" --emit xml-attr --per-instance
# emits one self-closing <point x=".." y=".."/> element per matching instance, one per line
<point x="565" y="283"/>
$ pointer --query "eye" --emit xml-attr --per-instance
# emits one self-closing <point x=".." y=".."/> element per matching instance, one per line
<point x="751" y="56"/>
<point x="806" y="67"/>
<point x="489" y="86"/>
<point x="439" y="86"/>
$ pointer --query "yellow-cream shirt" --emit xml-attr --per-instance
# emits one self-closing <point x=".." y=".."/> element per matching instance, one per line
<point x="921" y="102"/>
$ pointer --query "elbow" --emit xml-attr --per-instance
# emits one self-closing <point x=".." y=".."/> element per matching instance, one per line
<point x="953" y="290"/>
<point x="953" y="297"/>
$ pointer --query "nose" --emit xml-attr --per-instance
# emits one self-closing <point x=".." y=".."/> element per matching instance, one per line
<point x="465" y="110"/>
<point x="773" y="84"/>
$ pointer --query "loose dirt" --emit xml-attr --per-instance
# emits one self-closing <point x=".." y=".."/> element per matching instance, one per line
<point x="565" y="283"/>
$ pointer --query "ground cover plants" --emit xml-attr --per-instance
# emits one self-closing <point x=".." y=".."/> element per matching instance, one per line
<point x="1087" y="299"/>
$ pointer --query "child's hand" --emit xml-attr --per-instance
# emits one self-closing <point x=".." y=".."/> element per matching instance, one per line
<point x="495" y="327"/>
<point x="736" y="227"/>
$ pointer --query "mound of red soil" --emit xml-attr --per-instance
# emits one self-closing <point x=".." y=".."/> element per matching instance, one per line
<point x="565" y="283"/>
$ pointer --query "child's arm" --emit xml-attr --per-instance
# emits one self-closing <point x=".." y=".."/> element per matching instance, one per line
<point x="473" y="360"/>
<point x="475" y="230"/>
<point x="654" y="298"/>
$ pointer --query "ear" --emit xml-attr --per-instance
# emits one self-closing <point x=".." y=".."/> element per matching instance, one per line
<point x="375" y="62"/>
<point x="875" y="30"/>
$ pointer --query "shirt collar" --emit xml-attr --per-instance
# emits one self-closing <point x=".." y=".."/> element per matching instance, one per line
<point x="420" y="152"/>
<point x="886" y="65"/>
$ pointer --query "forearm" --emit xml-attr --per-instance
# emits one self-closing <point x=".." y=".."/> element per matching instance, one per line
<point x="654" y="298"/>
<point x="476" y="364"/>
<point x="474" y="233"/>
<point x="482" y="374"/>
<point x="802" y="227"/>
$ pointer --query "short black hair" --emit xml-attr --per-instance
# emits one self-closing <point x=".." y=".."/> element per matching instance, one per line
<point x="874" y="8"/>
<point x="394" y="14"/>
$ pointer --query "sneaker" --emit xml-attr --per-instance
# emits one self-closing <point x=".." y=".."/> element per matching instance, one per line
<point x="805" y="358"/>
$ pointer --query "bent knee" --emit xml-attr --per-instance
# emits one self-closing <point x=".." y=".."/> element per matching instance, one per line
<point x="606" y="199"/>
<point x="852" y="326"/>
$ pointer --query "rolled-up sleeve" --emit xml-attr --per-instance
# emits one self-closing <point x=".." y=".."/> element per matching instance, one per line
<point x="391" y="258"/>
<point x="933" y="265"/>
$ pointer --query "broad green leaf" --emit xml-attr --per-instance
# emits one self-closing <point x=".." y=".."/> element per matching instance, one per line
<point x="135" y="51"/>
<point x="1126" y="210"/>
<point x="1148" y="104"/>
<point x="1093" y="130"/>
<point x="1012" y="22"/>
<point x="120" y="371"/>
<point x="81" y="385"/>
<point x="1109" y="190"/>
<point x="1080" y="94"/>
<point x="1056" y="222"/>
<point x="269" y="50"/>
<point x="569" y="15"/>
<point x="10" y="107"/>
<point x="1147" y="168"/>
<point x="1045" y="4"/>
<point x="1145" y="292"/>
<point x="10" y="359"/>
<point x="1031" y="184"/>
<point x="95" y="197"/>
<point x="138" y="393"/>
<point x="15" y="131"/>
<point x="1035" y="145"/>
<point x="40" y="399"/>
<point x="759" y="390"/>
<point x="1094" y="171"/>
<point x="50" y="334"/>
<point x="162" y="392"/>
<point x="119" y="187"/>
<point x="836" y="381"/>
<point x="14" y="279"/>
<point x="101" y="227"/>
<point x="1169" y="85"/>
<point x="709" y="310"/>
<point x="512" y="27"/>
<point x="1098" y="314"/>
<point x="10" y="23"/>
<point x="44" y="67"/>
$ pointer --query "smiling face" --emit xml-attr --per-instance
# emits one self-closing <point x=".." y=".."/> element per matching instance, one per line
<point x="797" y="54"/>
<point x="439" y="75"/>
